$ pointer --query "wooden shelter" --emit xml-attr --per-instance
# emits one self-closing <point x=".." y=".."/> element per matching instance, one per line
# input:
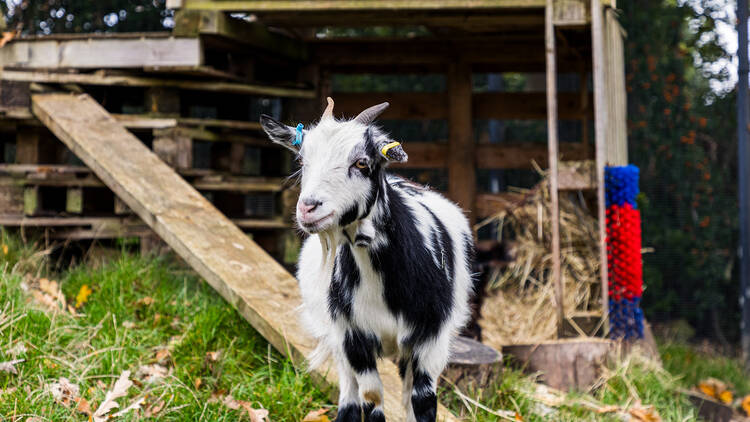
<point x="193" y="96"/>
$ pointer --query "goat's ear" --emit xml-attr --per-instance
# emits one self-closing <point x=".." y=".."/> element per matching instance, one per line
<point x="393" y="152"/>
<point x="278" y="132"/>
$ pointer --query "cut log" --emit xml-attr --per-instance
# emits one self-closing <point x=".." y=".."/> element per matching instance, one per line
<point x="710" y="409"/>
<point x="569" y="364"/>
<point x="473" y="365"/>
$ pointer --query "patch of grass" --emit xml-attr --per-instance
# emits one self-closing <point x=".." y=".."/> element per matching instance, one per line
<point x="694" y="364"/>
<point x="138" y="307"/>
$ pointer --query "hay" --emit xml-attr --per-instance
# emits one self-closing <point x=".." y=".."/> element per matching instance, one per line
<point x="520" y="304"/>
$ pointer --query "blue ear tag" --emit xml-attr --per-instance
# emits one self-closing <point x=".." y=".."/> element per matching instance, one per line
<point x="298" y="138"/>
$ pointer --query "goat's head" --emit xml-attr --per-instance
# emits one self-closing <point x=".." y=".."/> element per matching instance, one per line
<point x="341" y="163"/>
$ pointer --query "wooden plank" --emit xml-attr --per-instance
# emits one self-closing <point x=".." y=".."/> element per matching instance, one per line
<point x="31" y="200"/>
<point x="617" y="131"/>
<point x="262" y="291"/>
<point x="141" y="81"/>
<point x="434" y="105"/>
<point x="19" y="220"/>
<point x="190" y="23"/>
<point x="554" y="205"/>
<point x="601" y="117"/>
<point x="461" y="167"/>
<point x="27" y="146"/>
<point x="570" y="13"/>
<point x="98" y="53"/>
<point x="333" y="6"/>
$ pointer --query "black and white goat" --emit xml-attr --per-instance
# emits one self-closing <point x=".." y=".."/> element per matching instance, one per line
<point x="386" y="269"/>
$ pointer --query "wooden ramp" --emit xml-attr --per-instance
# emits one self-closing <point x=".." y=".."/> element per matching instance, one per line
<point x="264" y="293"/>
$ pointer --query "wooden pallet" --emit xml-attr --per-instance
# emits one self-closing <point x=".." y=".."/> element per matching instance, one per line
<point x="245" y="275"/>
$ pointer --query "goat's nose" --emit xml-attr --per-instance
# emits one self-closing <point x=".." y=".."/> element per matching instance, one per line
<point x="308" y="205"/>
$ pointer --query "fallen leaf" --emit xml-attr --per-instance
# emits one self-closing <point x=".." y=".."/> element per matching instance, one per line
<point x="151" y="373"/>
<point x="213" y="356"/>
<point x="197" y="383"/>
<point x="726" y="397"/>
<point x="746" y="404"/>
<point x="83" y="295"/>
<point x="712" y="387"/>
<point x="316" y="416"/>
<point x="644" y="413"/>
<point x="83" y="406"/>
<point x="608" y="409"/>
<point x="133" y="406"/>
<point x="120" y="389"/>
<point x="519" y="417"/>
<point x="5" y="249"/>
<point x="256" y="415"/>
<point x="148" y="300"/>
<point x="154" y="409"/>
<point x="64" y="391"/>
<point x="128" y="324"/>
<point x="10" y="366"/>
<point x="162" y="355"/>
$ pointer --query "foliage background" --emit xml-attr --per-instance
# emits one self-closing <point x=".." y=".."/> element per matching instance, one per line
<point x="681" y="135"/>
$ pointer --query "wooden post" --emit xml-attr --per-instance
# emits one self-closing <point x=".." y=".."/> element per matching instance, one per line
<point x="31" y="200"/>
<point x="549" y="36"/>
<point x="74" y="200"/>
<point x="600" y="132"/>
<point x="27" y="145"/>
<point x="461" y="157"/>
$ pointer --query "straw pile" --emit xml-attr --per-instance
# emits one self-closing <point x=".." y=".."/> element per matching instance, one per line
<point x="520" y="304"/>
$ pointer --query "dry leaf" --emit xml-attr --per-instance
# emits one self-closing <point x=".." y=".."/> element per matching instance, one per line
<point x="197" y="383"/>
<point x="64" y="391"/>
<point x="316" y="416"/>
<point x="154" y="409"/>
<point x="644" y="413"/>
<point x="10" y="366"/>
<point x="162" y="355"/>
<point x="213" y="356"/>
<point x="726" y="397"/>
<point x="83" y="295"/>
<point x="128" y="324"/>
<point x="712" y="387"/>
<point x="151" y="373"/>
<point x="746" y="404"/>
<point x="120" y="389"/>
<point x="608" y="409"/>
<point x="7" y="36"/>
<point x="83" y="406"/>
<point x="256" y="415"/>
<point x="133" y="406"/>
<point x="148" y="300"/>
<point x="47" y="292"/>
<point x="5" y="249"/>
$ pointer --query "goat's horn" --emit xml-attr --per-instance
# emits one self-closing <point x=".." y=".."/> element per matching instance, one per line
<point x="366" y="117"/>
<point x="329" y="109"/>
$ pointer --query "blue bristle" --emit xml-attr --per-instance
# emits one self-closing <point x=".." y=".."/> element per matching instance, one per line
<point x="621" y="185"/>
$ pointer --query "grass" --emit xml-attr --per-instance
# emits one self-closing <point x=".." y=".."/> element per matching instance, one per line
<point x="150" y="311"/>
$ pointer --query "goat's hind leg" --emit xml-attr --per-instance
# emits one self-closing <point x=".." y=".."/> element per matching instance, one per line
<point x="428" y="361"/>
<point x="349" y="404"/>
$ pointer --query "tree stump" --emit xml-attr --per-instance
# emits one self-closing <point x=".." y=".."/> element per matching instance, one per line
<point x="473" y="365"/>
<point x="567" y="364"/>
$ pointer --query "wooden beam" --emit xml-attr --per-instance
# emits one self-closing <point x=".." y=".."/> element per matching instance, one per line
<point x="486" y="105"/>
<point x="140" y="81"/>
<point x="333" y="6"/>
<point x="128" y="222"/>
<point x="554" y="205"/>
<point x="192" y="23"/>
<point x="99" y="53"/>
<point x="600" y="133"/>
<point x="262" y="291"/>
<point x="461" y="167"/>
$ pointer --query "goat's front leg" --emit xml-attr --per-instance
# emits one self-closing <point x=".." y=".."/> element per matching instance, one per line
<point x="361" y="351"/>
<point x="349" y="407"/>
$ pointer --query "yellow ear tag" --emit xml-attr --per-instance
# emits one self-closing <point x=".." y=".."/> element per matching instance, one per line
<point x="387" y="147"/>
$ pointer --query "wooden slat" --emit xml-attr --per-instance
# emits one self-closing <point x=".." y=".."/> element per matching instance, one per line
<point x="191" y="23"/>
<point x="617" y="131"/>
<point x="333" y="6"/>
<point x="552" y="144"/>
<point x="434" y="105"/>
<point x="140" y="81"/>
<point x="425" y="155"/>
<point x="601" y="117"/>
<point x="263" y="292"/>
<point x="100" y="53"/>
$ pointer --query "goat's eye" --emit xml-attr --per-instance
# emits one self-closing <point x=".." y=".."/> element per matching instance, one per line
<point x="361" y="163"/>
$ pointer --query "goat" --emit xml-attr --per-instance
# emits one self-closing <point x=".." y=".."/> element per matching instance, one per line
<point x="386" y="270"/>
